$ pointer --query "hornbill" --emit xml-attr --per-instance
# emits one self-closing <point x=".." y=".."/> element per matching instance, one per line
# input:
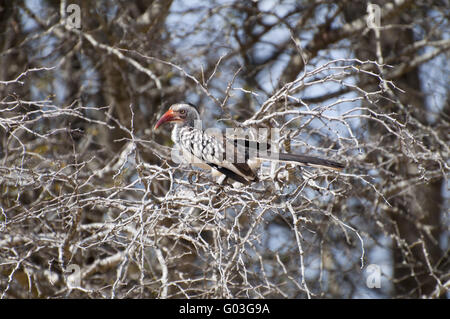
<point x="236" y="158"/>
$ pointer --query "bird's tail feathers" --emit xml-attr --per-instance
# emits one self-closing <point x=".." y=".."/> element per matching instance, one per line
<point x="304" y="160"/>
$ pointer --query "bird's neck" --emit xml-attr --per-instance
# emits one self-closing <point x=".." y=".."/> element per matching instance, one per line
<point x="177" y="130"/>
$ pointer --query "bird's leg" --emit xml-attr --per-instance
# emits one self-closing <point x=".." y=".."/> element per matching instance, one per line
<point x="222" y="180"/>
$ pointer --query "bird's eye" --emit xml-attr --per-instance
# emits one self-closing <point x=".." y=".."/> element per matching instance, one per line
<point x="183" y="112"/>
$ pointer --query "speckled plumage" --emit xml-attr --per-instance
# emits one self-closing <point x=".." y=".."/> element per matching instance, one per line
<point x="207" y="150"/>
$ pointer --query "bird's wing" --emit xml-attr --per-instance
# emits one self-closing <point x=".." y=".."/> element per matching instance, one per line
<point x="229" y="173"/>
<point x="211" y="149"/>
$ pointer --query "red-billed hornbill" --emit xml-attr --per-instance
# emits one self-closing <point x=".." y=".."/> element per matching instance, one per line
<point x="209" y="151"/>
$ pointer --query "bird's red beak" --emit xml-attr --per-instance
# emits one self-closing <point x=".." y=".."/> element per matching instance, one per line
<point x="169" y="116"/>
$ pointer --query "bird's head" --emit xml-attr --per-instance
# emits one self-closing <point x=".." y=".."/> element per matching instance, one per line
<point x="182" y="114"/>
